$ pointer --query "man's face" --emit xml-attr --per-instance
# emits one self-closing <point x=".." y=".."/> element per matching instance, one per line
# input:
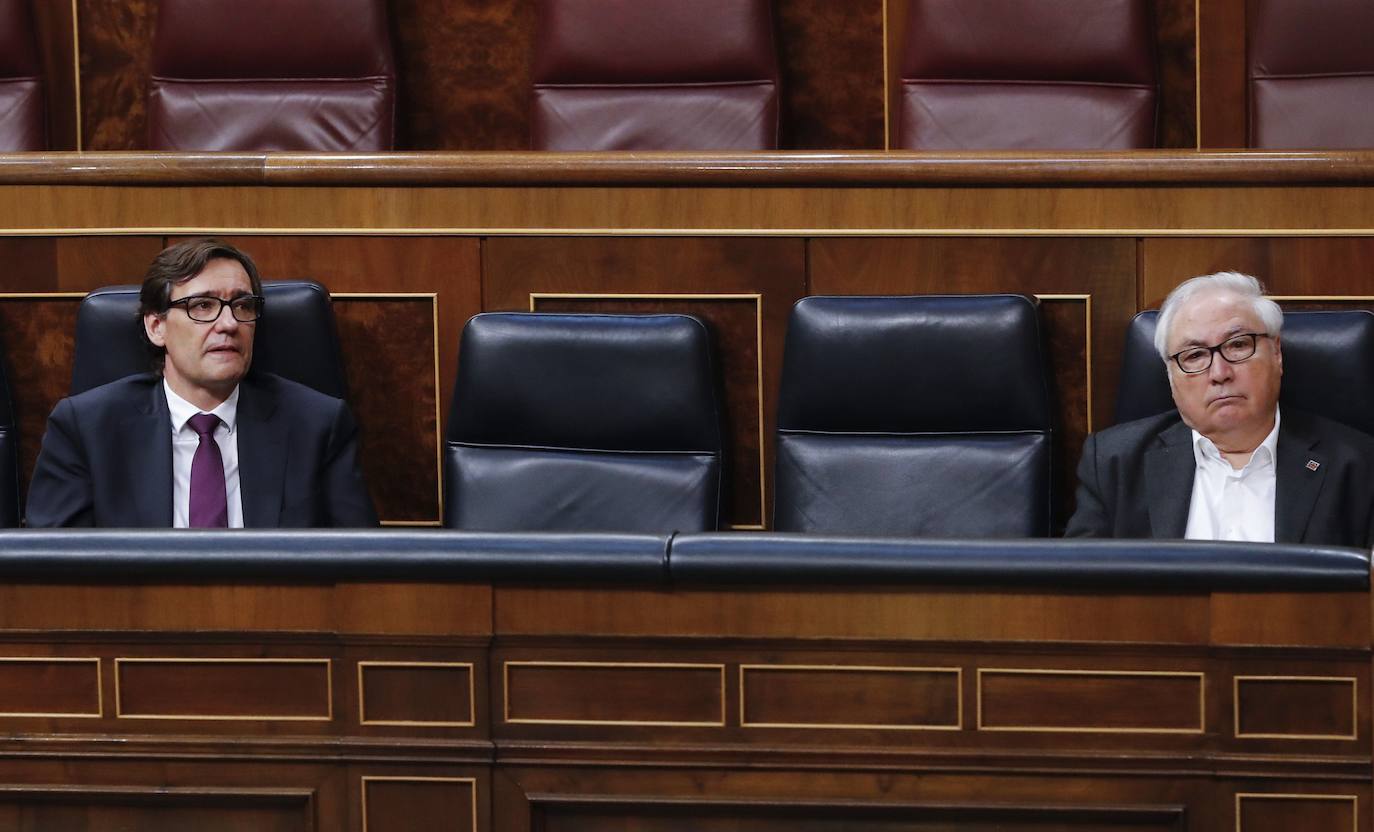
<point x="1228" y="403"/>
<point x="205" y="360"/>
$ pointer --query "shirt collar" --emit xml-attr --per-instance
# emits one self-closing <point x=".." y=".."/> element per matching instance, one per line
<point x="181" y="410"/>
<point x="1267" y="452"/>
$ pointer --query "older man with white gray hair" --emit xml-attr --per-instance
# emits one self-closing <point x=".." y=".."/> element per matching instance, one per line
<point x="1226" y="465"/>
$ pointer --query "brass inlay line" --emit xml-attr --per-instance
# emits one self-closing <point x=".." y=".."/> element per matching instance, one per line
<point x="1354" y="706"/>
<point x="424" y="723"/>
<point x="42" y="295"/>
<point x="433" y="298"/>
<point x="957" y="672"/>
<point x="676" y="231"/>
<point x="505" y="693"/>
<point x="99" y="687"/>
<point x="329" y="689"/>
<point x="757" y="299"/>
<point x="1354" y="801"/>
<point x="1087" y="300"/>
<point x="1012" y="671"/>
<point x="369" y="779"/>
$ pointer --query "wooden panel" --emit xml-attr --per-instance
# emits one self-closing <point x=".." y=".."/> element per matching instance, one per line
<point x="416" y="693"/>
<point x="419" y="804"/>
<point x="517" y="268"/>
<point x="832" y="74"/>
<point x="1296" y="707"/>
<point x="1221" y="71"/>
<point x="1284" y="813"/>
<point x="1083" y="330"/>
<point x="464" y="73"/>
<point x="1307" y="266"/>
<point x="115" y="41"/>
<point x="55" y="31"/>
<point x="1176" y="41"/>
<point x="85" y="263"/>
<point x="155" y="809"/>
<point x="1065" y="700"/>
<point x="36" y="342"/>
<point x="49" y="687"/>
<point x="266" y="689"/>
<point x="850" y="697"/>
<point x="735" y="327"/>
<point x="619" y="693"/>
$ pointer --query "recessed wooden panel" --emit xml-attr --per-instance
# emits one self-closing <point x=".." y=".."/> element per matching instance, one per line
<point x="116" y="47"/>
<point x="850" y="697"/>
<point x="606" y="693"/>
<point x="517" y="268"/>
<point x="734" y="320"/>
<point x="50" y="687"/>
<point x="1222" y="87"/>
<point x="1176" y="53"/>
<point x="155" y="809"/>
<point x="435" y="694"/>
<point x="1103" y="701"/>
<point x="419" y="804"/>
<point x="1292" y="812"/>
<point x="266" y="689"/>
<point x="1296" y="707"/>
<point x="832" y="73"/>
<point x="54" y="33"/>
<point x="1304" y="266"/>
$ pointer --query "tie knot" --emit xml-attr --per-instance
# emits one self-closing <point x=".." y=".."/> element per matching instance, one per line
<point x="204" y="424"/>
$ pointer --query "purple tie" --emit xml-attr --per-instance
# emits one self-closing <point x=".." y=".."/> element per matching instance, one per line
<point x="209" y="504"/>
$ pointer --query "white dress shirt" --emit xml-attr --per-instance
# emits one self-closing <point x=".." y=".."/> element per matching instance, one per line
<point x="184" y="443"/>
<point x="1229" y="504"/>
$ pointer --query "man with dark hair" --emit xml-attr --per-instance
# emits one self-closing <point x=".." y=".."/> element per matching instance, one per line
<point x="205" y="443"/>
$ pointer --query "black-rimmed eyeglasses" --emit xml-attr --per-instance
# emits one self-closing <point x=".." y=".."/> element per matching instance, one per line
<point x="206" y="309"/>
<point x="1235" y="349"/>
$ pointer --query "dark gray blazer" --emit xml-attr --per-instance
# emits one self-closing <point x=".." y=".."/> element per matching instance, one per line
<point x="107" y="458"/>
<point x="1136" y="480"/>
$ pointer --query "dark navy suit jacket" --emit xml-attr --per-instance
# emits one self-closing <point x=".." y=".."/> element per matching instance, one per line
<point x="1136" y="480"/>
<point x="107" y="458"/>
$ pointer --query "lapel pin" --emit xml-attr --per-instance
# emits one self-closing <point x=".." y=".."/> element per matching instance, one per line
<point x="1313" y="465"/>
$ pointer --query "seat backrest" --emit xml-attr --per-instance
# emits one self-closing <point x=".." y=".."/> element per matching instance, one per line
<point x="1328" y="367"/>
<point x="9" y="456"/>
<point x="262" y="75"/>
<point x="1311" y="72"/>
<point x="584" y="423"/>
<point x="297" y="337"/>
<point x="23" y="125"/>
<point x="655" y="75"/>
<point x="1028" y="75"/>
<point x="914" y="416"/>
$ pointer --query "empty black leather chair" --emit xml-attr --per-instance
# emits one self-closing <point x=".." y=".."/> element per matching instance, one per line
<point x="296" y="338"/>
<point x="584" y="423"/>
<point x="9" y="457"/>
<point x="914" y="416"/>
<point x="1328" y="367"/>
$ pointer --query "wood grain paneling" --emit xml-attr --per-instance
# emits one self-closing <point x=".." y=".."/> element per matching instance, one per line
<point x="832" y="73"/>
<point x="1308" y="266"/>
<point x="850" y="697"/>
<point x="614" y="693"/>
<point x="156" y="809"/>
<point x="1176" y="51"/>
<point x="1222" y="88"/>
<point x="1058" y="700"/>
<point x="416" y="693"/>
<point x="419" y="804"/>
<point x="85" y="263"/>
<point x="514" y="268"/>
<point x="55" y="30"/>
<point x="49" y="687"/>
<point x="116" y="41"/>
<point x="1296" y="707"/>
<point x="265" y="689"/>
<point x="1283" y="813"/>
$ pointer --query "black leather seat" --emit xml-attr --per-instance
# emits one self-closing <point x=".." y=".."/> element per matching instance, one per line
<point x="914" y="416"/>
<point x="584" y="423"/>
<point x="9" y="456"/>
<point x="1328" y="367"/>
<point x="296" y="338"/>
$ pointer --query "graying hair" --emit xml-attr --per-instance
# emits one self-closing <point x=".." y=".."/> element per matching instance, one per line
<point x="1241" y="284"/>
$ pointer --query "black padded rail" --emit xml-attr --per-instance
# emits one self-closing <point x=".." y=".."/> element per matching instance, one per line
<point x="753" y="559"/>
<point x="326" y="556"/>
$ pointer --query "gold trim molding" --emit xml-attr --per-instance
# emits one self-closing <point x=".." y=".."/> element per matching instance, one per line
<point x="329" y="689"/>
<point x="957" y="672"/>
<point x="505" y="693"/>
<point x="99" y="686"/>
<point x="420" y="723"/>
<point x="1012" y="671"/>
<point x="1354" y="707"/>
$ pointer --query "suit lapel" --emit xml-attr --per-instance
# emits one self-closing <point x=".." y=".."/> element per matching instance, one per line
<point x="1169" y="470"/>
<point x="149" y="432"/>
<point x="1296" y="483"/>
<point x="262" y="456"/>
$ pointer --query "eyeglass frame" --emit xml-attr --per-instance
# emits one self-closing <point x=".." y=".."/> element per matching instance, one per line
<point x="185" y="302"/>
<point x="1215" y="350"/>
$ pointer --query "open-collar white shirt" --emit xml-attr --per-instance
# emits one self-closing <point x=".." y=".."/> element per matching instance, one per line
<point x="184" y="443"/>
<point x="1230" y="504"/>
